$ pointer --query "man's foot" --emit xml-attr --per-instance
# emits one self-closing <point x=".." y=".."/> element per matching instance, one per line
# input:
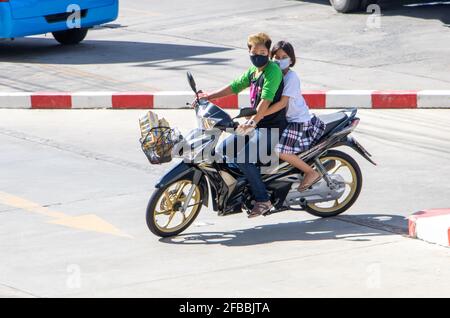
<point x="260" y="208"/>
<point x="309" y="179"/>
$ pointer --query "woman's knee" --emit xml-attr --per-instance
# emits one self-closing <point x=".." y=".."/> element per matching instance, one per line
<point x="284" y="156"/>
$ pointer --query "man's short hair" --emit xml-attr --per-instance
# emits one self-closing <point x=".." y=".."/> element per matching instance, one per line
<point x="259" y="38"/>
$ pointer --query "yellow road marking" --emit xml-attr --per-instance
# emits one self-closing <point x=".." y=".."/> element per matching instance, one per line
<point x="89" y="222"/>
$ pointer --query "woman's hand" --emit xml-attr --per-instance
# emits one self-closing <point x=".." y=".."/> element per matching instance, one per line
<point x="246" y="128"/>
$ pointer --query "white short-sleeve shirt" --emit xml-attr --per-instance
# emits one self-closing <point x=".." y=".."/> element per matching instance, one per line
<point x="297" y="109"/>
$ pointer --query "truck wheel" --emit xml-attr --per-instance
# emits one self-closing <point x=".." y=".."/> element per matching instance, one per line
<point x="72" y="36"/>
<point x="345" y="6"/>
<point x="366" y="3"/>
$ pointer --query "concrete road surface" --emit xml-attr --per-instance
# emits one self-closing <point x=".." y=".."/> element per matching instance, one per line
<point x="74" y="187"/>
<point x="153" y="43"/>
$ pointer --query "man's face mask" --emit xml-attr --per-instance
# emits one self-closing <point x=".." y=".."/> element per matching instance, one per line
<point x="259" y="60"/>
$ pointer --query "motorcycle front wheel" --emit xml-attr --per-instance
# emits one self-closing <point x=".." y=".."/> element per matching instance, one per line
<point x="165" y="216"/>
<point x="348" y="168"/>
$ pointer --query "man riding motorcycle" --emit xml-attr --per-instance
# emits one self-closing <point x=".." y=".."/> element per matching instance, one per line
<point x="265" y="80"/>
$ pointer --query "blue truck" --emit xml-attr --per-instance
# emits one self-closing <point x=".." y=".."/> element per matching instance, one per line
<point x="68" y="20"/>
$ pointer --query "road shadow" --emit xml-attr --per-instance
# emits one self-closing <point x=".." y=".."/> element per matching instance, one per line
<point x="439" y="12"/>
<point x="358" y="228"/>
<point x="48" y="51"/>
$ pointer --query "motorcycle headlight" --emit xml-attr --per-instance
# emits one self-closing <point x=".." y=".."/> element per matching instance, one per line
<point x="207" y="123"/>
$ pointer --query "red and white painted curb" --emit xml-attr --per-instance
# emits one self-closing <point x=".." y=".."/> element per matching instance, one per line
<point x="431" y="225"/>
<point x="177" y="99"/>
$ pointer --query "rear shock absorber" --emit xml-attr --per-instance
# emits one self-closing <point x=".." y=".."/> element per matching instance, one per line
<point x="323" y="171"/>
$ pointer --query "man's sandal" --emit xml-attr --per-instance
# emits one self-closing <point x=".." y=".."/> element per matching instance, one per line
<point x="260" y="208"/>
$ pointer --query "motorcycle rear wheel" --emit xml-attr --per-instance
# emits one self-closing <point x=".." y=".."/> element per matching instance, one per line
<point x="166" y="202"/>
<point x="353" y="186"/>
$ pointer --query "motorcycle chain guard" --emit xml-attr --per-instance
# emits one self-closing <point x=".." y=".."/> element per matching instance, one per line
<point x="319" y="192"/>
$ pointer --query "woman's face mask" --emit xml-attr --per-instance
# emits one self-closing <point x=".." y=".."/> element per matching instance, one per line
<point x="283" y="63"/>
<point x="259" y="60"/>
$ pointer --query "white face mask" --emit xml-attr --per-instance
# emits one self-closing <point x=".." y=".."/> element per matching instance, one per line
<point x="284" y="63"/>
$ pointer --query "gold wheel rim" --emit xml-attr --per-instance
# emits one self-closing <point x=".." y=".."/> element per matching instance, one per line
<point x="350" y="186"/>
<point x="168" y="208"/>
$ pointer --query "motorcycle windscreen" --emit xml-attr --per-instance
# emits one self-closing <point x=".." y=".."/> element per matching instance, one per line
<point x="197" y="147"/>
<point x="37" y="8"/>
<point x="212" y="111"/>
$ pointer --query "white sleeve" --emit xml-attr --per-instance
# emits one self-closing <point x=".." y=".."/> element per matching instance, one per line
<point x="291" y="85"/>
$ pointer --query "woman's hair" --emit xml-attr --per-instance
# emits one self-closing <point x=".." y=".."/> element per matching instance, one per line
<point x="259" y="38"/>
<point x="287" y="47"/>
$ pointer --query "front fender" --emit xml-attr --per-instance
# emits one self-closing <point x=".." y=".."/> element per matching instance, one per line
<point x="183" y="170"/>
<point x="176" y="173"/>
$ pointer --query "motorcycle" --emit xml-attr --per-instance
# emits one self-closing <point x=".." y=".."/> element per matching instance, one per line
<point x="182" y="191"/>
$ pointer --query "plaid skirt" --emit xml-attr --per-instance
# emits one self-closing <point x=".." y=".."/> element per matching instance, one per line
<point x="299" y="137"/>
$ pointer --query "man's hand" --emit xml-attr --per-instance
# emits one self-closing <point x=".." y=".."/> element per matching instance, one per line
<point x="201" y="96"/>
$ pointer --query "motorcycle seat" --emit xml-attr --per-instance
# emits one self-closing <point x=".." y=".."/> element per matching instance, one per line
<point x="331" y="121"/>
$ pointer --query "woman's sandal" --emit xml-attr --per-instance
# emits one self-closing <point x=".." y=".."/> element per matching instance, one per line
<point x="306" y="186"/>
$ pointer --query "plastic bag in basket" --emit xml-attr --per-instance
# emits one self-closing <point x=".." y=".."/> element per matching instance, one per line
<point x="157" y="138"/>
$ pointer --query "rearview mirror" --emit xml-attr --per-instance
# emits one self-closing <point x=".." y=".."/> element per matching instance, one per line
<point x="246" y="112"/>
<point x="192" y="82"/>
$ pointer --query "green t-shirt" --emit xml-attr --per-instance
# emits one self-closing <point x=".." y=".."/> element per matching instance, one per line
<point x="272" y="80"/>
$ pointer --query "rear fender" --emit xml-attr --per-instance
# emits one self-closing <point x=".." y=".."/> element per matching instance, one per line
<point x="352" y="143"/>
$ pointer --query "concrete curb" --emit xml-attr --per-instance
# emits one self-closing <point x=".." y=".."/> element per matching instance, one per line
<point x="178" y="99"/>
<point x="431" y="225"/>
